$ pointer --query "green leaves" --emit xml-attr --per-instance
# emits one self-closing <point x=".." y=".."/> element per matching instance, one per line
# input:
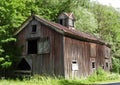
<point x="6" y="64"/>
<point x="8" y="40"/>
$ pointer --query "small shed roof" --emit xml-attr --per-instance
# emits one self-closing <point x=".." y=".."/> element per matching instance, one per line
<point x="63" y="30"/>
<point x="69" y="15"/>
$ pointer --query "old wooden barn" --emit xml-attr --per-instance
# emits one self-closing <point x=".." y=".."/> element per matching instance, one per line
<point x="59" y="49"/>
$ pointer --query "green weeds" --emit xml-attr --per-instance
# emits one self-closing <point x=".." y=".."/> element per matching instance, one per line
<point x="98" y="76"/>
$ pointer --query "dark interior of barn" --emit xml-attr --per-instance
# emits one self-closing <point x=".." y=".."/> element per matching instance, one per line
<point x="32" y="46"/>
<point x="23" y="65"/>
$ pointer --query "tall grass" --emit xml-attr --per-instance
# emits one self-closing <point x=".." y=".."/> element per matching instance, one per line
<point x="99" y="75"/>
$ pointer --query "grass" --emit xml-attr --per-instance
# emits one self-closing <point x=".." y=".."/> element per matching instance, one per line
<point x="50" y="81"/>
<point x="98" y="77"/>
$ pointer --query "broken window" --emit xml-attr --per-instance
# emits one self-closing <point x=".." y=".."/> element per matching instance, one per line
<point x="93" y="65"/>
<point x="44" y="46"/>
<point x="32" y="46"/>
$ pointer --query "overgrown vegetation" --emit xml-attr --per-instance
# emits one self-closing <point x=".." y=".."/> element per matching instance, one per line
<point x="100" y="20"/>
<point x="99" y="76"/>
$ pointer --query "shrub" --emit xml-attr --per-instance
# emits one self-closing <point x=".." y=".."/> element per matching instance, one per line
<point x="101" y="75"/>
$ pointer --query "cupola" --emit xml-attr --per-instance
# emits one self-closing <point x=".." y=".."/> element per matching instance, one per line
<point x="67" y="20"/>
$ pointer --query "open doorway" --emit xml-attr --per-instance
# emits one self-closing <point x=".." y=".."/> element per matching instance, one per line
<point x="32" y="46"/>
<point x="23" y="65"/>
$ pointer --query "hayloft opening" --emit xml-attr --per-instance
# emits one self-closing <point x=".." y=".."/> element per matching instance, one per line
<point x="32" y="46"/>
<point x="23" y="65"/>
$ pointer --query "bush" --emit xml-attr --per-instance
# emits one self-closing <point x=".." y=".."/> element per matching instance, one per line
<point x="101" y="75"/>
<point x="115" y="65"/>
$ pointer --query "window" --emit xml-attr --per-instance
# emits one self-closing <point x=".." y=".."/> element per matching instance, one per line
<point x="61" y="21"/>
<point x="93" y="65"/>
<point x="32" y="46"/>
<point x="44" y="46"/>
<point x="34" y="28"/>
<point x="106" y="64"/>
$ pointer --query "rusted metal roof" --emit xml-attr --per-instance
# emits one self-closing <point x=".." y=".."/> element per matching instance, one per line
<point x="63" y="30"/>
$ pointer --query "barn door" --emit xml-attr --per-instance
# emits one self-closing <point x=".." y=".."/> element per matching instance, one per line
<point x="23" y="65"/>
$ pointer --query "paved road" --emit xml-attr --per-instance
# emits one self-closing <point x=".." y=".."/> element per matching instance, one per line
<point x="111" y="84"/>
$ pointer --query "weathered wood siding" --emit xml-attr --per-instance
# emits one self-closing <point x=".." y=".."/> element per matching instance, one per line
<point x="46" y="63"/>
<point x="79" y="51"/>
<point x="58" y="54"/>
<point x="84" y="53"/>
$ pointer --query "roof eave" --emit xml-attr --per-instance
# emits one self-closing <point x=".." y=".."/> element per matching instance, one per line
<point x="83" y="38"/>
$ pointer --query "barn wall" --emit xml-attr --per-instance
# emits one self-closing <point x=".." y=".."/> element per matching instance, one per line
<point x="21" y="41"/>
<point x="43" y="63"/>
<point x="79" y="51"/>
<point x="84" y="53"/>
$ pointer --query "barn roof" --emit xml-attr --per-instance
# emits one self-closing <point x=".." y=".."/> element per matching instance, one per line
<point x="62" y="30"/>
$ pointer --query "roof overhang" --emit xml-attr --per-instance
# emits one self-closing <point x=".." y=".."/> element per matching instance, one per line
<point x="62" y="30"/>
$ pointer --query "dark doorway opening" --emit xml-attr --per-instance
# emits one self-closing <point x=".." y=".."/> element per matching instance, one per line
<point x="23" y="65"/>
<point x="32" y="46"/>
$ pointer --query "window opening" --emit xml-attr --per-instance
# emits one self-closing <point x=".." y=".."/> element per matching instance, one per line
<point x="34" y="28"/>
<point x="93" y="64"/>
<point x="61" y="21"/>
<point x="32" y="46"/>
<point x="107" y="64"/>
<point x="74" y="65"/>
<point x="74" y="62"/>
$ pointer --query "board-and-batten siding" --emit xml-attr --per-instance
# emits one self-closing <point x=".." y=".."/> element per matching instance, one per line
<point x="49" y="63"/>
<point x="79" y="51"/>
<point x="84" y="53"/>
<point x="62" y="52"/>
